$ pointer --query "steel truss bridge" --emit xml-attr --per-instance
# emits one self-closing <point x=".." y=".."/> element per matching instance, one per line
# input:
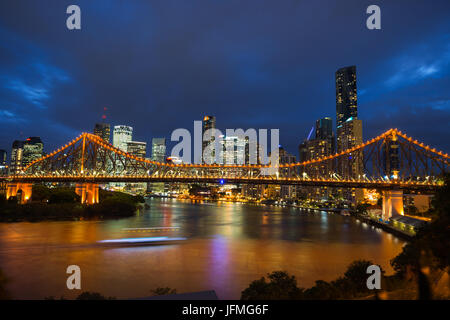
<point x="88" y="159"/>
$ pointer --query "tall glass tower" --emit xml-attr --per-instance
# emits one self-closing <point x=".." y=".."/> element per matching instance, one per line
<point x="209" y="122"/>
<point x="346" y="97"/>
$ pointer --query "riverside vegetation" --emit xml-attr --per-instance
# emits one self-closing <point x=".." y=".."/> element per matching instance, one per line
<point x="62" y="203"/>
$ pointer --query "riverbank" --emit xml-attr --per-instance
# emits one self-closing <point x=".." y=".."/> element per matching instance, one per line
<point x="36" y="212"/>
<point x="384" y="226"/>
<point x="62" y="204"/>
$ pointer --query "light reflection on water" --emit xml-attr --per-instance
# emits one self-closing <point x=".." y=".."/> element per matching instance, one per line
<point x="229" y="245"/>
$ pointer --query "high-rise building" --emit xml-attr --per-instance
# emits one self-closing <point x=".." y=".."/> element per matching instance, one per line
<point x="103" y="131"/>
<point x="209" y="122"/>
<point x="137" y="148"/>
<point x="121" y="135"/>
<point x="159" y="155"/>
<point x="348" y="130"/>
<point x="25" y="152"/>
<point x="16" y="157"/>
<point x="159" y="149"/>
<point x="287" y="191"/>
<point x="252" y="191"/>
<point x="324" y="128"/>
<point x="3" y="164"/>
<point x="234" y="150"/>
<point x="348" y="127"/>
<point x="324" y="131"/>
<point x="350" y="135"/>
<point x="303" y="151"/>
<point x="322" y="145"/>
<point x="33" y="149"/>
<point x="346" y="97"/>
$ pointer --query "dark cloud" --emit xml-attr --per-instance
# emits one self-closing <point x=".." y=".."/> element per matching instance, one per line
<point x="160" y="65"/>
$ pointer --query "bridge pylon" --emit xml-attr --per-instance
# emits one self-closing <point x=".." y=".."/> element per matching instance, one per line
<point x="392" y="203"/>
<point x="88" y="192"/>
<point x="13" y="188"/>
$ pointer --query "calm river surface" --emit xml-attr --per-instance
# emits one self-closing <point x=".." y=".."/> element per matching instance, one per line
<point x="228" y="246"/>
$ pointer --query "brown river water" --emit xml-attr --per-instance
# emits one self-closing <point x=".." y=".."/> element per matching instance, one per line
<point x="227" y="246"/>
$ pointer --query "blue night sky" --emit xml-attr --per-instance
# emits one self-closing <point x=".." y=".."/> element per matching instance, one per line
<point x="159" y="65"/>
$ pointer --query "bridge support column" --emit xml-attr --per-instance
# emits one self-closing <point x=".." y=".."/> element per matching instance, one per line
<point x="392" y="203"/>
<point x="88" y="192"/>
<point x="13" y="188"/>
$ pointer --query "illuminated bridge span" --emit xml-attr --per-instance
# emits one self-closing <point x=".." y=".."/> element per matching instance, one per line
<point x="390" y="161"/>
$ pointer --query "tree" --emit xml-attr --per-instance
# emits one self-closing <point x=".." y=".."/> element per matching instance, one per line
<point x="163" y="291"/>
<point x="362" y="208"/>
<point x="281" y="286"/>
<point x="430" y="245"/>
<point x="356" y="276"/>
<point x="86" y="295"/>
<point x="322" y="291"/>
<point x="41" y="193"/>
<point x="63" y="195"/>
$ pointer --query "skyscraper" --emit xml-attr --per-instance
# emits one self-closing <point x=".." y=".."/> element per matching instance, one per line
<point x="3" y="165"/>
<point x="25" y="152"/>
<point x="159" y="155"/>
<point x="159" y="149"/>
<point x="209" y="122"/>
<point x="33" y="149"/>
<point x="324" y="131"/>
<point x="103" y="131"/>
<point x="234" y="150"/>
<point x="137" y="148"/>
<point x="121" y="135"/>
<point x="346" y="97"/>
<point x="348" y="129"/>
<point x="287" y="191"/>
<point x="16" y="157"/>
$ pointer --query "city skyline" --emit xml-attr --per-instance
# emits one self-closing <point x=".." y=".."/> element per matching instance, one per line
<point x="273" y="77"/>
<point x="220" y="150"/>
